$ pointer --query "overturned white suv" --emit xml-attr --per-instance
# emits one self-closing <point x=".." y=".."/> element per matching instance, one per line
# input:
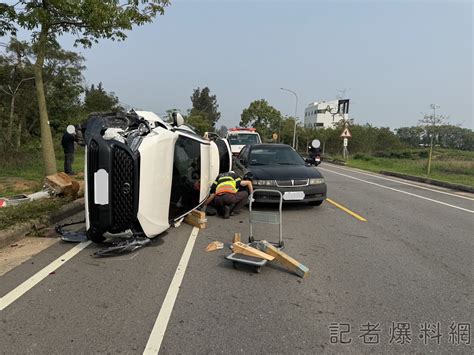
<point x="143" y="174"/>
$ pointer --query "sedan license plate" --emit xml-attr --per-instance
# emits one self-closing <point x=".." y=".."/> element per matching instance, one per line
<point x="293" y="195"/>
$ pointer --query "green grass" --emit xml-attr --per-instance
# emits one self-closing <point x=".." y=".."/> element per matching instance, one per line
<point x="31" y="210"/>
<point x="22" y="173"/>
<point x="450" y="166"/>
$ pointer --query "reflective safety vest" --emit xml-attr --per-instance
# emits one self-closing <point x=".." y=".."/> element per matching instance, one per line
<point x="227" y="185"/>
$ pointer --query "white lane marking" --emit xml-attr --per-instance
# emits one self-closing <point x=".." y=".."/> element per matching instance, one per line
<point x="401" y="191"/>
<point x="156" y="337"/>
<point x="404" y="183"/>
<point x="20" y="290"/>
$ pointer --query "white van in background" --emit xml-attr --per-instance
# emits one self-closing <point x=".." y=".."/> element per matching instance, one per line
<point x="240" y="137"/>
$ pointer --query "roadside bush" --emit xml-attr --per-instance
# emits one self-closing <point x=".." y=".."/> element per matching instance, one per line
<point x="404" y="154"/>
<point x="381" y="154"/>
<point x="423" y="154"/>
<point x="360" y="156"/>
<point x="462" y="167"/>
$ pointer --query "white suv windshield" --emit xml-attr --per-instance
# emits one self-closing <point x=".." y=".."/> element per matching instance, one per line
<point x="243" y="139"/>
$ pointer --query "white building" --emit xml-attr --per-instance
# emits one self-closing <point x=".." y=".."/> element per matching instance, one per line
<point x="325" y="114"/>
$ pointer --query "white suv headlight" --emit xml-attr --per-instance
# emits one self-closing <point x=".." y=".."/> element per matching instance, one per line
<point x="317" y="181"/>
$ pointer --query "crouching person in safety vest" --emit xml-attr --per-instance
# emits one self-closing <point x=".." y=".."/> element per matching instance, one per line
<point x="229" y="193"/>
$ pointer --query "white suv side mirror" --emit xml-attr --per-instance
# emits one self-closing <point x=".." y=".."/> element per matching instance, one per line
<point x="177" y="119"/>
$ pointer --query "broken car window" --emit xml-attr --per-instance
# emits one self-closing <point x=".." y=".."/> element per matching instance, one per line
<point x="185" y="186"/>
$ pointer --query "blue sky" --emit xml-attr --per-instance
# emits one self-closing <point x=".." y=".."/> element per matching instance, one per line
<point x="393" y="58"/>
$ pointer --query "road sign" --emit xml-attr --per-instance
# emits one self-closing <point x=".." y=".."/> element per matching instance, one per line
<point x="345" y="142"/>
<point x="346" y="133"/>
<point x="275" y="136"/>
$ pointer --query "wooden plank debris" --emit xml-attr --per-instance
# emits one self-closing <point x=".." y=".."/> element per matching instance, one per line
<point x="236" y="238"/>
<point x="196" y="219"/>
<point x="241" y="248"/>
<point x="62" y="184"/>
<point x="283" y="258"/>
<point x="215" y="245"/>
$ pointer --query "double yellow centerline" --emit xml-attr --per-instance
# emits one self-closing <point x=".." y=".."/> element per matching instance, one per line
<point x="345" y="209"/>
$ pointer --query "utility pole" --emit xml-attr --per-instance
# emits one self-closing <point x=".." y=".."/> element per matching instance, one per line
<point x="296" y="112"/>
<point x="433" y="121"/>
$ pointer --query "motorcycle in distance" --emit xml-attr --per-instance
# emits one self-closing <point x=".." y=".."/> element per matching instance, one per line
<point x="314" y="155"/>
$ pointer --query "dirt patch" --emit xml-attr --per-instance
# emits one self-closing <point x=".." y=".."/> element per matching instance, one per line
<point x="12" y="185"/>
<point x="17" y="253"/>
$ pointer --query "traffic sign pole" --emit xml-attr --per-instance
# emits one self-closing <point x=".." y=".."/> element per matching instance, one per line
<point x="346" y="134"/>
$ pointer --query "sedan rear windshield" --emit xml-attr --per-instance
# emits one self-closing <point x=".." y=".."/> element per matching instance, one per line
<point x="243" y="139"/>
<point x="275" y="156"/>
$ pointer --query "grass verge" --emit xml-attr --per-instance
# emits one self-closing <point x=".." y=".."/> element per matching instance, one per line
<point x="445" y="166"/>
<point x="22" y="173"/>
<point x="27" y="211"/>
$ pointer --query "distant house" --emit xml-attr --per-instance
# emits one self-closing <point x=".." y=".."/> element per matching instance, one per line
<point x="325" y="114"/>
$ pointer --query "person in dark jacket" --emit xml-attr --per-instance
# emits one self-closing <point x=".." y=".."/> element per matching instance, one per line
<point x="67" y="142"/>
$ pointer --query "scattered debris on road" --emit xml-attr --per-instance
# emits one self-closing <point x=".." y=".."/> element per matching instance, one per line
<point x="258" y="253"/>
<point x="59" y="184"/>
<point x="196" y="219"/>
<point x="123" y="246"/>
<point x="283" y="258"/>
<point x="245" y="249"/>
<point x="236" y="238"/>
<point x="63" y="185"/>
<point x="215" y="245"/>
<point x="71" y="236"/>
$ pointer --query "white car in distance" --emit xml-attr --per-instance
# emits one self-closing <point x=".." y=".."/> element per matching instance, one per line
<point x="240" y="137"/>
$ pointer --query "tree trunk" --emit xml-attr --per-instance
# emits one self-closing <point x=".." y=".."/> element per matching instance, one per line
<point x="49" y="159"/>
<point x="8" y="137"/>
<point x="18" y="137"/>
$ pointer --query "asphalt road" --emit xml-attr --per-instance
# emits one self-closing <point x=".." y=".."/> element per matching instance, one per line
<point x="376" y="281"/>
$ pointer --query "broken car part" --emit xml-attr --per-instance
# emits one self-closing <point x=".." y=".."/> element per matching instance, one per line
<point x="71" y="236"/>
<point x="123" y="246"/>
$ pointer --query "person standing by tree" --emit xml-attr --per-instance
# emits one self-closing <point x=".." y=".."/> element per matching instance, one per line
<point x="67" y="142"/>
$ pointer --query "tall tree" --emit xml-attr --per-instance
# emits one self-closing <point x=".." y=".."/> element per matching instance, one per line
<point x="96" y="99"/>
<point x="88" y="20"/>
<point x="205" y="106"/>
<point x="263" y="117"/>
<point x="431" y="123"/>
<point x="200" y="123"/>
<point x="410" y="135"/>
<point x="64" y="84"/>
<point x="455" y="137"/>
<point x="63" y="81"/>
<point x="15" y="72"/>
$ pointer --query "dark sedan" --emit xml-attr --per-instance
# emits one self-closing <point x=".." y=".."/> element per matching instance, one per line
<point x="280" y="167"/>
